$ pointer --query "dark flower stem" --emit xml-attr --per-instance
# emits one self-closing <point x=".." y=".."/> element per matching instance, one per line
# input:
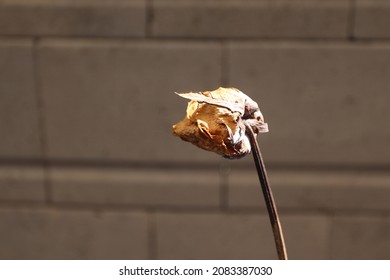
<point x="269" y="199"/>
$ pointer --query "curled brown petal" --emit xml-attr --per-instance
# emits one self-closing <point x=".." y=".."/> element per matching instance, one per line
<point x="215" y="121"/>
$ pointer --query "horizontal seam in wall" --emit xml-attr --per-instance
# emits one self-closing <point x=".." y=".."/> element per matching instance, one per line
<point x="196" y="39"/>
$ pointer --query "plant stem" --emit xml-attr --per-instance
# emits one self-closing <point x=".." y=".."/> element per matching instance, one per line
<point x="268" y="197"/>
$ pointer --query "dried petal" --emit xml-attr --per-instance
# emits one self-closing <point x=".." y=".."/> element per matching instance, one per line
<point x="215" y="121"/>
<point x="231" y="98"/>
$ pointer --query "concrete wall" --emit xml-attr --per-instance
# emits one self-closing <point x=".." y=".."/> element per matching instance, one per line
<point x="89" y="168"/>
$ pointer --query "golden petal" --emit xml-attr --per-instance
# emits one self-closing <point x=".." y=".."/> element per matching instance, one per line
<point x="215" y="121"/>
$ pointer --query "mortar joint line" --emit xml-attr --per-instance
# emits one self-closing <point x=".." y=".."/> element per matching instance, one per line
<point x="149" y="17"/>
<point x="351" y="23"/>
<point x="41" y="117"/>
<point x="224" y="173"/>
<point x="224" y="64"/>
<point x="152" y="235"/>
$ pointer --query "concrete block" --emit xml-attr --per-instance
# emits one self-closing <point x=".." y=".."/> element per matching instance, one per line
<point x="360" y="237"/>
<point x="238" y="236"/>
<point x="54" y="234"/>
<point x="21" y="184"/>
<point x="368" y="191"/>
<point x="306" y="236"/>
<point x="372" y="19"/>
<point x="126" y="18"/>
<point x="115" y="100"/>
<point x="135" y="187"/>
<point x="250" y="19"/>
<point x="292" y="190"/>
<point x="319" y="108"/>
<point x="19" y="127"/>
<point x="214" y="236"/>
<point x="313" y="190"/>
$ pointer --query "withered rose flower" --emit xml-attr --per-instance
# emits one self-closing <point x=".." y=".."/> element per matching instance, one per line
<point x="216" y="121"/>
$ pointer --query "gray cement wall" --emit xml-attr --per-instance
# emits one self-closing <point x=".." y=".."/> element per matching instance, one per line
<point x="89" y="168"/>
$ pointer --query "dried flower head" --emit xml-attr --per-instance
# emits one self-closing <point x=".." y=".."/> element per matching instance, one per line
<point x="216" y="121"/>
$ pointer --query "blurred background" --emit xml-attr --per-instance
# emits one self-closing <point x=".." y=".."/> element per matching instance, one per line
<point x="89" y="168"/>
